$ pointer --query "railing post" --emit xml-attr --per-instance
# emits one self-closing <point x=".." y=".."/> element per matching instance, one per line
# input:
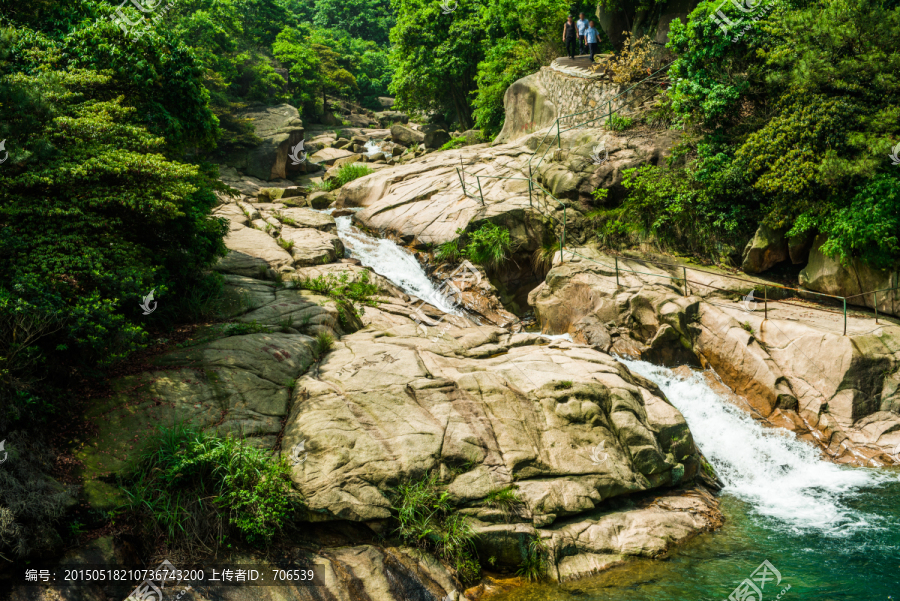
<point x="617" y="272"/>
<point x="766" y="301"/>
<point x="875" y="303"/>
<point x="480" y="193"/>
<point x="529" y="193"/>
<point x="845" y="316"/>
<point x="684" y="272"/>
<point x="558" y="143"/>
<point x="461" y="180"/>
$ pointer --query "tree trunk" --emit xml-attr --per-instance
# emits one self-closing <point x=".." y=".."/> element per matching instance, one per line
<point x="463" y="114"/>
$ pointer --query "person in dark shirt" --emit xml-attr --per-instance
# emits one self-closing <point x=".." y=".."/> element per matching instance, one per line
<point x="570" y="37"/>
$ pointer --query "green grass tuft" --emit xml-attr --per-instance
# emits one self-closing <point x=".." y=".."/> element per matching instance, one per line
<point x="534" y="566"/>
<point x="619" y="123"/>
<point x="454" y="143"/>
<point x="324" y="343"/>
<point x="349" y="296"/>
<point x="194" y="488"/>
<point x="285" y="244"/>
<point x="427" y="519"/>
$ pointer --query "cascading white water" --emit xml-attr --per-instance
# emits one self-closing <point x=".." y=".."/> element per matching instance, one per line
<point x="780" y="476"/>
<point x="395" y="263"/>
<point x="372" y="150"/>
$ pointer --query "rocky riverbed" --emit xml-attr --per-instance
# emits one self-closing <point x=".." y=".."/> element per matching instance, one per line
<point x="603" y="466"/>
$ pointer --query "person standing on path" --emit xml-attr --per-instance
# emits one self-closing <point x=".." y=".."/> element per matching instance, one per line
<point x="593" y="39"/>
<point x="582" y="24"/>
<point x="570" y="37"/>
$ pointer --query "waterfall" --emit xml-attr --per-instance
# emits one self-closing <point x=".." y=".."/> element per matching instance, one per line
<point x="782" y="478"/>
<point x="397" y="264"/>
<point x="373" y="148"/>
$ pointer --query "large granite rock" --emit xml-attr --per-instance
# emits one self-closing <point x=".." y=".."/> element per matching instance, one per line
<point x="525" y="411"/>
<point x="792" y="365"/>
<point x="327" y="156"/>
<point x="238" y="384"/>
<point x="527" y="107"/>
<point x="827" y="275"/>
<point x="407" y="136"/>
<point x="425" y="199"/>
<point x="312" y="246"/>
<point x="388" y="118"/>
<point x="435" y="137"/>
<point x="279" y="128"/>
<point x="767" y="248"/>
<point x="252" y="242"/>
<point x="306" y="218"/>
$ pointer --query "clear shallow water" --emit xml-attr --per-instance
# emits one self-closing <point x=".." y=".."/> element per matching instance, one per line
<point x="832" y="532"/>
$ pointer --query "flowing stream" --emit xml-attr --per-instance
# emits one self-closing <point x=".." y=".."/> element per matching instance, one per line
<point x="832" y="532"/>
<point x="395" y="263"/>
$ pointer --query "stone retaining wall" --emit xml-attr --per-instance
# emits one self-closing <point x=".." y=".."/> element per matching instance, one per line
<point x="573" y="93"/>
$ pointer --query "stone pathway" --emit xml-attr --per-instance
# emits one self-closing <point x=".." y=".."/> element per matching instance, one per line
<point x="580" y="67"/>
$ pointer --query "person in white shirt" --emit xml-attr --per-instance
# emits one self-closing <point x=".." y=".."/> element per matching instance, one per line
<point x="582" y="24"/>
<point x="592" y="37"/>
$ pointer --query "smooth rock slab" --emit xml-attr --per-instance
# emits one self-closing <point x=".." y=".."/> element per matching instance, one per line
<point x="306" y="218"/>
<point x="388" y="404"/>
<point x="260" y="245"/>
<point x="313" y="247"/>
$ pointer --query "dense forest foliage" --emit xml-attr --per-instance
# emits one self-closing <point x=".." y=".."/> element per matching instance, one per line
<point x="790" y="125"/>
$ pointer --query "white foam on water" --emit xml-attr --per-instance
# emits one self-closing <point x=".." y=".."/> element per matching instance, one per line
<point x="780" y="476"/>
<point x="372" y="150"/>
<point x="558" y="337"/>
<point x="395" y="263"/>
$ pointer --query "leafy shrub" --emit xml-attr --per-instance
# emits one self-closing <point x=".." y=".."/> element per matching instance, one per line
<point x="454" y="143"/>
<point x="195" y="487"/>
<point x="111" y="218"/>
<point x="619" y="123"/>
<point x="349" y="295"/>
<point x="489" y="245"/>
<point x="427" y="519"/>
<point x="347" y="173"/>
<point x="792" y="120"/>
<point x="670" y="208"/>
<point x="634" y="60"/>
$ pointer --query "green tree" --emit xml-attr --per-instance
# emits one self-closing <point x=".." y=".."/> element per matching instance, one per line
<point x="436" y="57"/>
<point x="363" y="19"/>
<point x="792" y="122"/>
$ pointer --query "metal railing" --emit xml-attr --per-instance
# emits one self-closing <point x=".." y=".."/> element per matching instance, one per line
<point x="684" y="282"/>
<point x="534" y="186"/>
